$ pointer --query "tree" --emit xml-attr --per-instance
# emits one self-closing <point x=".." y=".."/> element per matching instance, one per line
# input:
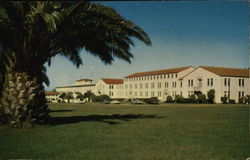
<point x="32" y="33"/>
<point x="80" y="96"/>
<point x="211" y="95"/>
<point x="88" y="95"/>
<point x="62" y="96"/>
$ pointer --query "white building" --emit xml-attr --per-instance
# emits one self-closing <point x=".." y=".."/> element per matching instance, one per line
<point x="230" y="82"/>
<point x="51" y="97"/>
<point x="82" y="86"/>
<point x="158" y="83"/>
<point x="111" y="87"/>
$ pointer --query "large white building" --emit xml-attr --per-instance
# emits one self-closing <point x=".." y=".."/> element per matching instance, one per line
<point x="230" y="82"/>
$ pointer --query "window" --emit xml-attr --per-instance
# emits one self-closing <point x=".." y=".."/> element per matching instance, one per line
<point x="141" y="93"/>
<point x="152" y="85"/>
<point x="225" y="82"/>
<point x="146" y="93"/>
<point x="152" y="94"/>
<point x="181" y="84"/>
<point x="208" y="82"/>
<point x="146" y="85"/>
<point x="135" y="86"/>
<point x="172" y="75"/>
<point x="159" y="85"/>
<point x="176" y="75"/>
<point x="181" y="93"/>
<point x="239" y="94"/>
<point x="211" y="82"/>
<point x="190" y="82"/>
<point x="228" y="82"/>
<point x="141" y="85"/>
<point x="135" y="93"/>
<point x="130" y="86"/>
<point x="225" y="93"/>
<point x="159" y="93"/>
<point x="241" y="82"/>
<point x="166" y="84"/>
<point x="168" y="75"/>
<point x="126" y="86"/>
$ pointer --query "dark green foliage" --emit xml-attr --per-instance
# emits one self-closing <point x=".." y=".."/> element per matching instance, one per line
<point x="153" y="100"/>
<point x="211" y="95"/>
<point x="231" y="101"/>
<point x="179" y="99"/>
<point x="100" y="98"/>
<point x="240" y="100"/>
<point x="202" y="98"/>
<point x="223" y="100"/>
<point x="87" y="95"/>
<point x="193" y="99"/>
<point x="169" y="99"/>
<point x="80" y="96"/>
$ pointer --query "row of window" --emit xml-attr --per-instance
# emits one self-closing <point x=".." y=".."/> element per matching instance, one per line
<point x="228" y="80"/>
<point x="165" y="76"/>
<point x="152" y="85"/>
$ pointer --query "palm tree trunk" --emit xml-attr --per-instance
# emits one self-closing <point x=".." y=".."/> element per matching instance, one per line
<point x="22" y="100"/>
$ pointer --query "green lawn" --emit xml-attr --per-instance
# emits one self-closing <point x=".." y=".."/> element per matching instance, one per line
<point x="133" y="132"/>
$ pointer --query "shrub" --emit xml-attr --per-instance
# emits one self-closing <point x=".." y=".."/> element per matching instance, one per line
<point x="202" y="98"/>
<point x="193" y="99"/>
<point x="231" y="101"/>
<point x="211" y="95"/>
<point x="100" y="98"/>
<point x="179" y="99"/>
<point x="169" y="99"/>
<point x="153" y="100"/>
<point x="223" y="100"/>
<point x="240" y="100"/>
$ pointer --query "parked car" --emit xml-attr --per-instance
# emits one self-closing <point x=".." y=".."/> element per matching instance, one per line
<point x="136" y="101"/>
<point x="106" y="101"/>
<point x="115" y="102"/>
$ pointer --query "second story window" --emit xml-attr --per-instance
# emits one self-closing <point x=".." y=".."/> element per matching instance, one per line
<point x="152" y="85"/>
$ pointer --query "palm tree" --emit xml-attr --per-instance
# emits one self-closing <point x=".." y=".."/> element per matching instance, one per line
<point x="88" y="95"/>
<point x="32" y="33"/>
<point x="80" y="96"/>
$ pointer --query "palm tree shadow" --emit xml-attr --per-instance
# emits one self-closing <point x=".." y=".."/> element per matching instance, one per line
<point x="98" y="118"/>
<point x="62" y="110"/>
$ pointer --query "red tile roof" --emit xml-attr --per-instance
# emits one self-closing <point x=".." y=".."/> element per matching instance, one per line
<point x="52" y="93"/>
<point x="84" y="79"/>
<point x="230" y="72"/>
<point x="112" y="81"/>
<point x="158" y="72"/>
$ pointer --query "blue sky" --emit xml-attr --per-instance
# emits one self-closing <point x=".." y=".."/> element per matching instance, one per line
<point x="212" y="33"/>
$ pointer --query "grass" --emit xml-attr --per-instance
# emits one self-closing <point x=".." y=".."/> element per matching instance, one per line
<point x="133" y="132"/>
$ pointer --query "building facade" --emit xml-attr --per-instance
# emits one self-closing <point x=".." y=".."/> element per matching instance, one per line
<point x="185" y="81"/>
<point x="110" y="87"/>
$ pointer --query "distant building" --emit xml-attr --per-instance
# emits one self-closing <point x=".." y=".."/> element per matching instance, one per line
<point x="158" y="83"/>
<point x="111" y="87"/>
<point x="51" y="97"/>
<point x="80" y="86"/>
<point x="230" y="82"/>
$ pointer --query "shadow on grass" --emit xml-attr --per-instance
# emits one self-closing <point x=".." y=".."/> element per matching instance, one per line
<point x="98" y="118"/>
<point x="63" y="110"/>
